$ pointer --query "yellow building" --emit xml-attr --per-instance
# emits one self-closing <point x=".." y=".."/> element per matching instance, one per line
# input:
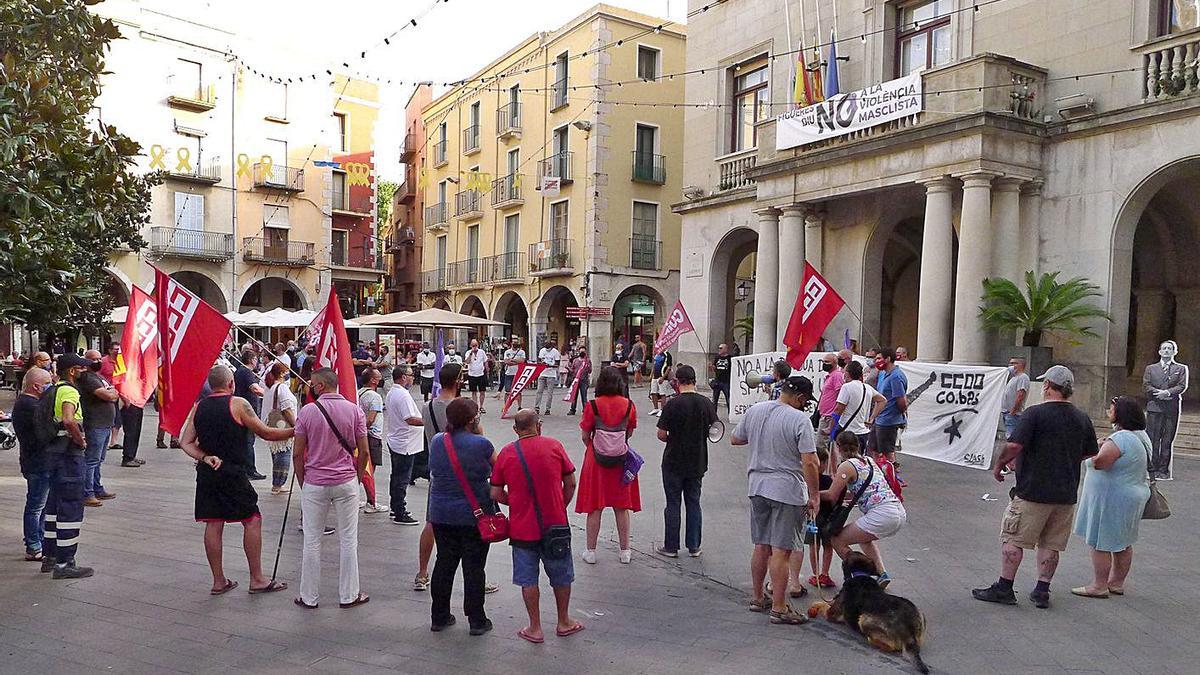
<point x="245" y="216"/>
<point x="498" y="245"/>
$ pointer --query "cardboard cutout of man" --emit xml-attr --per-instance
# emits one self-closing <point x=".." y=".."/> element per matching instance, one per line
<point x="1165" y="383"/>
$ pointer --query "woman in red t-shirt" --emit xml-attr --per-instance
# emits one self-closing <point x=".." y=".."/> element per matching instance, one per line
<point x="601" y="487"/>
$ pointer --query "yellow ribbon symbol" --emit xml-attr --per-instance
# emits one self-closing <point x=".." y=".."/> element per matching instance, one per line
<point x="517" y="181"/>
<point x="157" y="152"/>
<point x="479" y="180"/>
<point x="184" y="165"/>
<point x="243" y="169"/>
<point x="422" y="179"/>
<point x="268" y="166"/>
<point x="358" y="173"/>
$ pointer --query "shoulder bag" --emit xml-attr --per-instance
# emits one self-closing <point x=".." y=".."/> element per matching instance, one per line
<point x="275" y="416"/>
<point x="834" y="519"/>
<point x="556" y="539"/>
<point x="493" y="528"/>
<point x="1157" y="507"/>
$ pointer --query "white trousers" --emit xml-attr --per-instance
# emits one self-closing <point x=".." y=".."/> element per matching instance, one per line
<point x="315" y="503"/>
<point x="545" y="389"/>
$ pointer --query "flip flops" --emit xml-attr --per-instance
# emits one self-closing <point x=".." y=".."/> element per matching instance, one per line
<point x="300" y="603"/>
<point x="570" y="631"/>
<point x="270" y="588"/>
<point x="230" y="584"/>
<point x="362" y="599"/>
<point x="529" y="638"/>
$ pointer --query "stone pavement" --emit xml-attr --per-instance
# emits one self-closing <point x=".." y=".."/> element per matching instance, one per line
<point x="148" y="610"/>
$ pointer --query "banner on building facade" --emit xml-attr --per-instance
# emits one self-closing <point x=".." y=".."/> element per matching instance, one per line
<point x="850" y="112"/>
<point x="953" y="412"/>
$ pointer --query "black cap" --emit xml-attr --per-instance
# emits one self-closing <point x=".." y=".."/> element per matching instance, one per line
<point x="71" y="360"/>
<point x="798" y="384"/>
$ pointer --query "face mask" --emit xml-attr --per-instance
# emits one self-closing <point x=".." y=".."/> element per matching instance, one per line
<point x="94" y="366"/>
<point x="841" y="363"/>
<point x="451" y="351"/>
<point x="1012" y="370"/>
<point x="827" y="367"/>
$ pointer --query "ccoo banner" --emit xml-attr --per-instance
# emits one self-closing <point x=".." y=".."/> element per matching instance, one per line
<point x="743" y="396"/>
<point x="850" y="112"/>
<point x="953" y="412"/>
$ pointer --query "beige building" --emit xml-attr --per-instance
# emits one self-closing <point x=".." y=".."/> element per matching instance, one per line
<point x="244" y="217"/>
<point x="1011" y="164"/>
<point x="497" y="245"/>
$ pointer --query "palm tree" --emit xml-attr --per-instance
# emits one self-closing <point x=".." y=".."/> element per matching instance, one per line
<point x="1045" y="306"/>
<point x="745" y="326"/>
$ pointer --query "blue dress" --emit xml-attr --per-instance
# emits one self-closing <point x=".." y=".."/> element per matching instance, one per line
<point x="1112" y="501"/>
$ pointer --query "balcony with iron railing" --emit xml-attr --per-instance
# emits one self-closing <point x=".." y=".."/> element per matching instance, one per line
<point x="279" y="177"/>
<point x="506" y="191"/>
<point x="508" y="120"/>
<point x="436" y="216"/>
<point x="551" y="258"/>
<point x="559" y="95"/>
<point x="504" y="268"/>
<point x="201" y="99"/>
<point x="649" y="167"/>
<point x="433" y="281"/>
<point x="193" y="244"/>
<point x="204" y="174"/>
<point x="284" y="253"/>
<point x="464" y="273"/>
<point x="468" y="204"/>
<point x="734" y="170"/>
<point x="645" y="253"/>
<point x="346" y="202"/>
<point x="558" y="166"/>
<point x="408" y="149"/>
<point x="470" y="140"/>
<point x="407" y="192"/>
<point x="402" y="236"/>
<point x="439" y="154"/>
<point x="1171" y="66"/>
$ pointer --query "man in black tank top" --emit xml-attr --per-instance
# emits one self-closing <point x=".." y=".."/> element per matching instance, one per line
<point x="216" y="437"/>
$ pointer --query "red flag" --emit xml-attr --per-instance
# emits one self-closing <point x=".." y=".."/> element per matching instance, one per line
<point x="816" y="306"/>
<point x="191" y="333"/>
<point x="328" y="332"/>
<point x="527" y="373"/>
<point x="139" y="350"/>
<point x="677" y="324"/>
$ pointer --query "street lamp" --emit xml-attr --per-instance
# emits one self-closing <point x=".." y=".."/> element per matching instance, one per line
<point x="741" y="291"/>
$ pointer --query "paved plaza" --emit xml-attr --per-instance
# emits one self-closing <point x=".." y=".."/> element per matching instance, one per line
<point x="147" y="609"/>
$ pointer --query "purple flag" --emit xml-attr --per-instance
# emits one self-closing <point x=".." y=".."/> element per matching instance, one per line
<point x="439" y="355"/>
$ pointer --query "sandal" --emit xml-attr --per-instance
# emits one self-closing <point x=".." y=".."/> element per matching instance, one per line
<point x="798" y="591"/>
<point x="362" y="599"/>
<point x="33" y="556"/>
<point x="230" y="584"/>
<point x="300" y="603"/>
<point x="788" y="617"/>
<point x="270" y="588"/>
<point x="570" y="631"/>
<point x="760" y="605"/>
<point x="529" y="638"/>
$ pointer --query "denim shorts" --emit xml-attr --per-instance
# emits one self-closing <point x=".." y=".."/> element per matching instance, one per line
<point x="525" y="568"/>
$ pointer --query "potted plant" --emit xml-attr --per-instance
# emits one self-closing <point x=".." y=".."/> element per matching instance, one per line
<point x="1046" y="305"/>
<point x="744" y="326"/>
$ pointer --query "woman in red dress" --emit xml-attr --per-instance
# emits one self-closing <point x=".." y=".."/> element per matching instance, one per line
<point x="601" y="487"/>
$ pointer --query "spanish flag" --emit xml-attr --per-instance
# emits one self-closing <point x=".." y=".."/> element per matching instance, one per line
<point x="808" y="90"/>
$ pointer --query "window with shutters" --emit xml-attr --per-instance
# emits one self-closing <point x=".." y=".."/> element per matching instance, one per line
<point x="276" y="216"/>
<point x="340" y="128"/>
<point x="337" y="253"/>
<point x="647" y="63"/>
<point x="340" y="194"/>
<point x="277" y="102"/>
<point x="189" y="211"/>
<point x="558" y="220"/>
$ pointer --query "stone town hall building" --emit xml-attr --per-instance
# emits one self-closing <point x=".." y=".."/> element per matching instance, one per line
<point x="1013" y="164"/>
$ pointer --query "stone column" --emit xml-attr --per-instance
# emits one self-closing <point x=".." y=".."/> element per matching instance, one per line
<point x="974" y="264"/>
<point x="766" y="281"/>
<point x="1031" y="211"/>
<point x="791" y="266"/>
<point x="935" y="305"/>
<point x="814" y="226"/>
<point x="1006" y="229"/>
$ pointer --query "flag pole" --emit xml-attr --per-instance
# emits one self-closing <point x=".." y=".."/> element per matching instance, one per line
<point x="287" y="508"/>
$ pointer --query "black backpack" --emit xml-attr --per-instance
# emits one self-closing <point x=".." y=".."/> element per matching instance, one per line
<point x="45" y="427"/>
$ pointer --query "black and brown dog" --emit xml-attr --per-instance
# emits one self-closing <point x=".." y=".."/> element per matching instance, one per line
<point x="889" y="622"/>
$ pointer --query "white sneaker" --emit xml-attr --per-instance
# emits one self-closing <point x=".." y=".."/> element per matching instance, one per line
<point x="374" y="509"/>
<point x="589" y="556"/>
<point x="625" y="557"/>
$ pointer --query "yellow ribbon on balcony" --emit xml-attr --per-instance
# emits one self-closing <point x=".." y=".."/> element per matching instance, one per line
<point x="268" y="166"/>
<point x="479" y="180"/>
<point x="184" y="160"/>
<point x="358" y="173"/>
<point x="243" y="168"/>
<point x="517" y="180"/>
<point x="157" y="153"/>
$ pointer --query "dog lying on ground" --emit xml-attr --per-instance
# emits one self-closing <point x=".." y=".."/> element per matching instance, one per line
<point x="890" y="623"/>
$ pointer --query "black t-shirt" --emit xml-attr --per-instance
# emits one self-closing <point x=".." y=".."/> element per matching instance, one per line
<point x="687" y="418"/>
<point x="97" y="413"/>
<point x="24" y="419"/>
<point x="242" y="379"/>
<point x="1055" y="438"/>
<point x="722" y="365"/>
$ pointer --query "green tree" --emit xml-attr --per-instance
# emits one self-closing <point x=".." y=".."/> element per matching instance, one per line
<point x="1045" y="306"/>
<point x="68" y="192"/>
<point x="384" y="191"/>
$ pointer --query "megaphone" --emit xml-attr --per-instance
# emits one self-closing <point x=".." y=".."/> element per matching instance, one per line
<point x="756" y="379"/>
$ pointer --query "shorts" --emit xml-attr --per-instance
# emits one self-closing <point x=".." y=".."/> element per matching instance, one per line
<point x="661" y="387"/>
<point x="884" y="438"/>
<point x="375" y="447"/>
<point x="477" y="383"/>
<point x="776" y="524"/>
<point x="426" y="386"/>
<point x="525" y="568"/>
<point x="883" y="520"/>
<point x="1031" y="525"/>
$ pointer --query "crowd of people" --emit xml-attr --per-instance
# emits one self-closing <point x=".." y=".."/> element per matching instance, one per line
<point x="810" y="453"/>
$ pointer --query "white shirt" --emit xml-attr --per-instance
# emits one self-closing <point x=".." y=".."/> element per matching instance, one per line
<point x="287" y="400"/>
<point x="550" y="357"/>
<point x="425" y="361"/>
<point x="453" y="358"/>
<point x="513" y="354"/>
<point x="402" y="437"/>
<point x="852" y="393"/>
<point x="285" y="359"/>
<point x="476" y="361"/>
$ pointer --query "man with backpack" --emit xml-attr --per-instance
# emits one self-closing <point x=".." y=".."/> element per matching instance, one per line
<point x="60" y="431"/>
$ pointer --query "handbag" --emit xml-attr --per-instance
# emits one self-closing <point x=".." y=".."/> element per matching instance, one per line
<point x="275" y="416"/>
<point x="835" y="519"/>
<point x="493" y="528"/>
<point x="556" y="539"/>
<point x="1157" y="507"/>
